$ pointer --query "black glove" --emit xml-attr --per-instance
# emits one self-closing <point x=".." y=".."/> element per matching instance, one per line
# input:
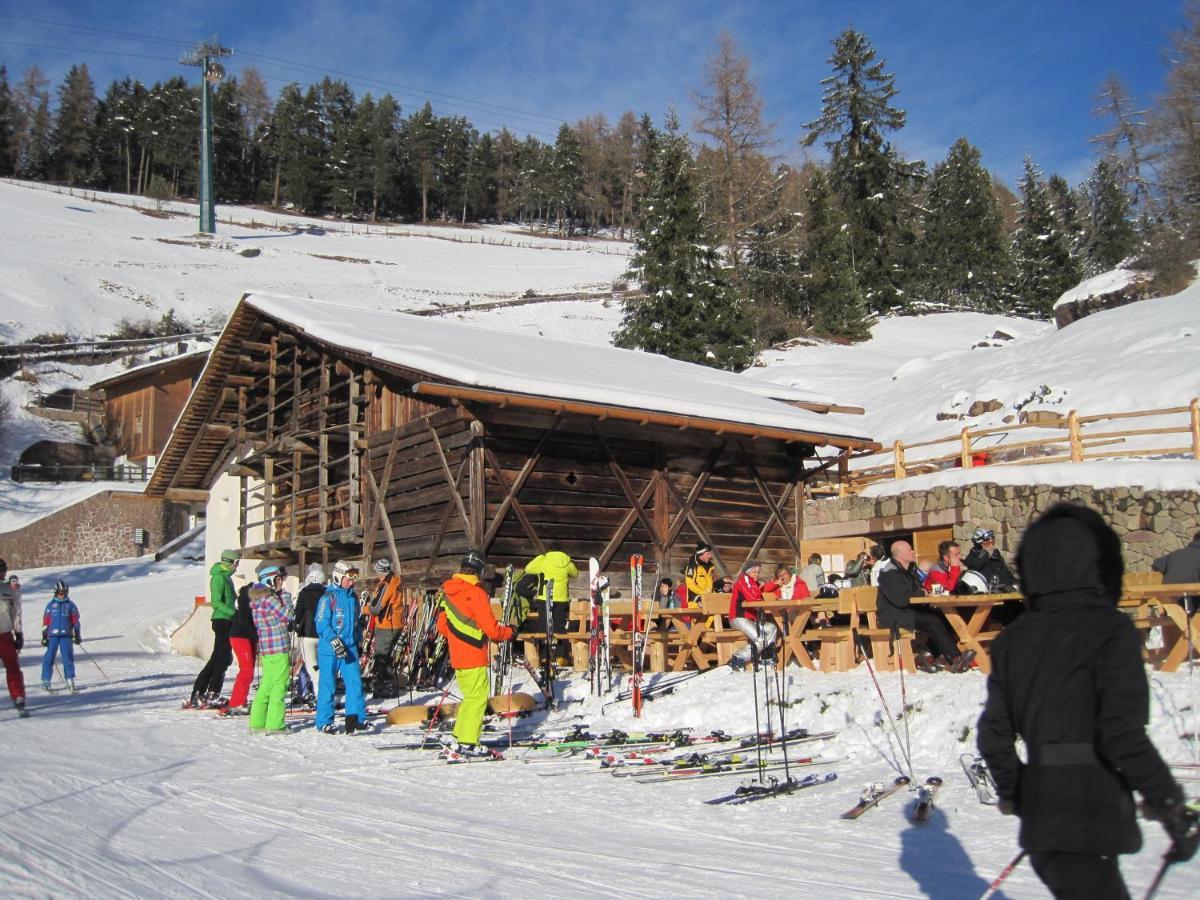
<point x="45" y="638"/>
<point x="339" y="648"/>
<point x="1181" y="824"/>
<point x="19" y="640"/>
<point x="78" y="640"/>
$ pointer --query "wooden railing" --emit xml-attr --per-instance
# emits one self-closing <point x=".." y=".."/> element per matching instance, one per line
<point x="1070" y="438"/>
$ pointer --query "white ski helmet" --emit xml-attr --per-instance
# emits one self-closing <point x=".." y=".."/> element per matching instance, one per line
<point x="982" y="534"/>
<point x="344" y="569"/>
<point x="973" y="583"/>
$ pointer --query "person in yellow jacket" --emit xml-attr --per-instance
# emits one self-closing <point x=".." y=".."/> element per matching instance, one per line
<point x="467" y="622"/>
<point x="556" y="570"/>
<point x="698" y="574"/>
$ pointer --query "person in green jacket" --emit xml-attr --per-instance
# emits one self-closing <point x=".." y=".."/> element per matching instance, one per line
<point x="556" y="570"/>
<point x="207" y="689"/>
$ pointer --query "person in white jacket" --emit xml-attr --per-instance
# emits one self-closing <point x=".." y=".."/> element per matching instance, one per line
<point x="306" y="628"/>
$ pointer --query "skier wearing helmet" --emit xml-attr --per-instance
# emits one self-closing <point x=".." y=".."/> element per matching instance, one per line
<point x="985" y="559"/>
<point x="467" y="622"/>
<point x="387" y="606"/>
<point x="306" y="621"/>
<point x="60" y="626"/>
<point x="272" y="623"/>
<point x="338" y="651"/>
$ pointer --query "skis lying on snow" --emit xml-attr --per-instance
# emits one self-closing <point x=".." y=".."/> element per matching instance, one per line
<point x="873" y="794"/>
<point x="981" y="779"/>
<point x="751" y="791"/>
<point x="719" y="769"/>
<point x="926" y="794"/>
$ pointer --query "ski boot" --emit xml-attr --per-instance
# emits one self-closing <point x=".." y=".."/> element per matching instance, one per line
<point x="216" y="702"/>
<point x="71" y="686"/>
<point x="354" y="726"/>
<point x="46" y="686"/>
<point x="331" y="728"/>
<point x="19" y="703"/>
<point x="450" y="745"/>
<point x="234" y="711"/>
<point x="196" y="701"/>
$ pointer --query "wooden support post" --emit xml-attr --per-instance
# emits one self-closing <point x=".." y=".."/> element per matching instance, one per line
<point x="268" y="500"/>
<point x="662" y="512"/>
<point x="799" y="490"/>
<point x="355" y="430"/>
<point x="965" y="453"/>
<point x="451" y="481"/>
<point x="477" y="484"/>
<point x="1194" y="410"/>
<point x="1074" y="436"/>
<point x="898" y="453"/>
<point x="323" y="448"/>
<point x="296" y="458"/>
<point x="243" y="500"/>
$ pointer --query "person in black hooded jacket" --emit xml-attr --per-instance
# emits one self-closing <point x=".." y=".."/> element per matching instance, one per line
<point x="1067" y="677"/>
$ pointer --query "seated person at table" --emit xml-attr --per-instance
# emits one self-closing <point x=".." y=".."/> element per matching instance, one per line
<point x="751" y="622"/>
<point x="947" y="571"/>
<point x="726" y="586"/>
<point x="787" y="586"/>
<point x="858" y="570"/>
<point x="924" y="564"/>
<point x="667" y="598"/>
<point x="985" y="559"/>
<point x="813" y="574"/>
<point x="1181" y="566"/>
<point x="882" y="563"/>
<point x="698" y="574"/>
<point x="898" y="585"/>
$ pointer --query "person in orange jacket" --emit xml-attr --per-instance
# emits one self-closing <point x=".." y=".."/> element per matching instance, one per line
<point x="386" y="604"/>
<point x="467" y="622"/>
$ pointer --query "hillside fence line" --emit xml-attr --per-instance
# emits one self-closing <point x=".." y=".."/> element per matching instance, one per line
<point x="1059" y="438"/>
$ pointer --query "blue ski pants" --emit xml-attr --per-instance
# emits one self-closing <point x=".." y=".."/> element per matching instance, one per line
<point x="59" y="643"/>
<point x="330" y="667"/>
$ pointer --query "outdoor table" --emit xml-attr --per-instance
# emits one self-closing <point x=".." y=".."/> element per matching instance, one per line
<point x="691" y="625"/>
<point x="1170" y="597"/>
<point x="969" y="631"/>
<point x="792" y="617"/>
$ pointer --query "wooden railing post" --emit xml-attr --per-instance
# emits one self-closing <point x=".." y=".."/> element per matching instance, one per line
<point x="898" y="450"/>
<point x="1073" y="435"/>
<point x="966" y="447"/>
<point x="1194" y="409"/>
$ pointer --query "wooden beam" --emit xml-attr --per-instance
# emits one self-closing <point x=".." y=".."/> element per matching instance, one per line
<point x="623" y="529"/>
<point x="379" y="508"/>
<point x="510" y="499"/>
<point x="694" y="493"/>
<point x="672" y="420"/>
<point x="445" y="523"/>
<point x="452" y="482"/>
<point x="387" y="523"/>
<point x="240" y="380"/>
<point x="627" y="488"/>
<point x="700" y="530"/>
<point x="511" y="496"/>
<point x="765" y="492"/>
<point x="477" y="483"/>
<point x="216" y="429"/>
<point x="185" y="495"/>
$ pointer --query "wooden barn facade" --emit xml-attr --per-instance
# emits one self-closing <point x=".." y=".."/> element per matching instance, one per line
<point x="331" y="432"/>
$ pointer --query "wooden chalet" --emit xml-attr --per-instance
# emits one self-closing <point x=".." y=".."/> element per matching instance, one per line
<point x="142" y="404"/>
<point x="344" y="432"/>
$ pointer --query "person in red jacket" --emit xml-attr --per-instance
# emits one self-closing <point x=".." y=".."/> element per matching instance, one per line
<point x="947" y="571"/>
<point x="760" y="633"/>
<point x="786" y="585"/>
<point x="467" y="622"/>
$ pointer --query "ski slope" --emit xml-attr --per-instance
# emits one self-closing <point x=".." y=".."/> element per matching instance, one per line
<point x="115" y="792"/>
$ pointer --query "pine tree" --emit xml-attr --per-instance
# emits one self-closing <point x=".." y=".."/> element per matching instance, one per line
<point x="421" y="148"/>
<point x="72" y="136"/>
<point x="231" y="153"/>
<point x="873" y="184"/>
<point x="689" y="311"/>
<point x="383" y="142"/>
<point x="114" y="137"/>
<point x="1066" y="205"/>
<point x="8" y="127"/>
<point x="1044" y="265"/>
<point x="350" y="162"/>
<point x="568" y="177"/>
<point x="831" y="289"/>
<point x="965" y="254"/>
<point x="1111" y="236"/>
<point x="33" y="124"/>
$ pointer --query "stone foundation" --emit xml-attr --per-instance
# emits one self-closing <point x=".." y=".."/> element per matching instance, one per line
<point x="98" y="529"/>
<point x="1150" y="523"/>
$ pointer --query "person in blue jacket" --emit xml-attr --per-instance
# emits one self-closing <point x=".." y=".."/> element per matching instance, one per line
<point x="339" y="635"/>
<point x="60" y="626"/>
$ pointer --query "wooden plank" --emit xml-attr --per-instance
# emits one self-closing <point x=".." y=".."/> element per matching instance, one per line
<point x="606" y="555"/>
<point x="186" y="495"/>
<point x="768" y="499"/>
<point x="510" y="501"/>
<point x="633" y="497"/>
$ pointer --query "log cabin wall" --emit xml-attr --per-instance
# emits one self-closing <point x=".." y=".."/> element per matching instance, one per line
<point x="517" y="483"/>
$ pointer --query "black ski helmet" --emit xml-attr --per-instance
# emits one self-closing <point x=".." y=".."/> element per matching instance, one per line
<point x="473" y="561"/>
<point x="60" y="587"/>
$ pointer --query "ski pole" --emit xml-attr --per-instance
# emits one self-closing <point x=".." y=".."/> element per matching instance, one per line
<point x="757" y="720"/>
<point x="1004" y="873"/>
<point x="1158" y="878"/>
<point x="903" y="694"/>
<point x="1187" y="611"/>
<point x="887" y="712"/>
<point x="92" y="660"/>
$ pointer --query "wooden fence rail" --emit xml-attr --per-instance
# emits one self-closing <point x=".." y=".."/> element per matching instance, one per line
<point x="1070" y="440"/>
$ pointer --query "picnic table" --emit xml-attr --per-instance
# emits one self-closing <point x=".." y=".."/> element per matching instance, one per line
<point x="1170" y="598"/>
<point x="967" y="615"/>
<point x="792" y="617"/>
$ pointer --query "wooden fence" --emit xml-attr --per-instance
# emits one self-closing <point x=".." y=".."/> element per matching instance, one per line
<point x="1070" y="438"/>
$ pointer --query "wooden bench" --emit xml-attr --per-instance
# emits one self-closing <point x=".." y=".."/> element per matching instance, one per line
<point x="889" y="652"/>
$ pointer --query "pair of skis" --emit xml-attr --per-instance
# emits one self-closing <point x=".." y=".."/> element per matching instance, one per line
<point x="874" y="794"/>
<point x="599" y="631"/>
<point x="753" y="791"/>
<point x="640" y="637"/>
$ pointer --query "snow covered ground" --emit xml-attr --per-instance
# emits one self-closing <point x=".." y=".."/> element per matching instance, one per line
<point x="80" y="263"/>
<point x="115" y="792"/>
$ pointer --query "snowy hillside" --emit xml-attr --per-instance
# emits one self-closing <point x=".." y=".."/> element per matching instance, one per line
<point x="1141" y="356"/>
<point x="115" y="792"/>
<point x="80" y="265"/>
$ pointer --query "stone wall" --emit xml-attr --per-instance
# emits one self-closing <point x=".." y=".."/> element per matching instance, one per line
<point x="1150" y="523"/>
<point x="98" y="529"/>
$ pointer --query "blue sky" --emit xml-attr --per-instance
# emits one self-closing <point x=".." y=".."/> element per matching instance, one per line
<point x="1015" y="77"/>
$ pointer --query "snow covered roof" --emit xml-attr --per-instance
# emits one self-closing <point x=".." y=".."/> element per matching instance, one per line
<point x="196" y="356"/>
<point x="538" y="366"/>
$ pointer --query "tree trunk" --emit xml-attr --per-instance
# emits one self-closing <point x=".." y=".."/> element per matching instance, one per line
<point x="275" y="195"/>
